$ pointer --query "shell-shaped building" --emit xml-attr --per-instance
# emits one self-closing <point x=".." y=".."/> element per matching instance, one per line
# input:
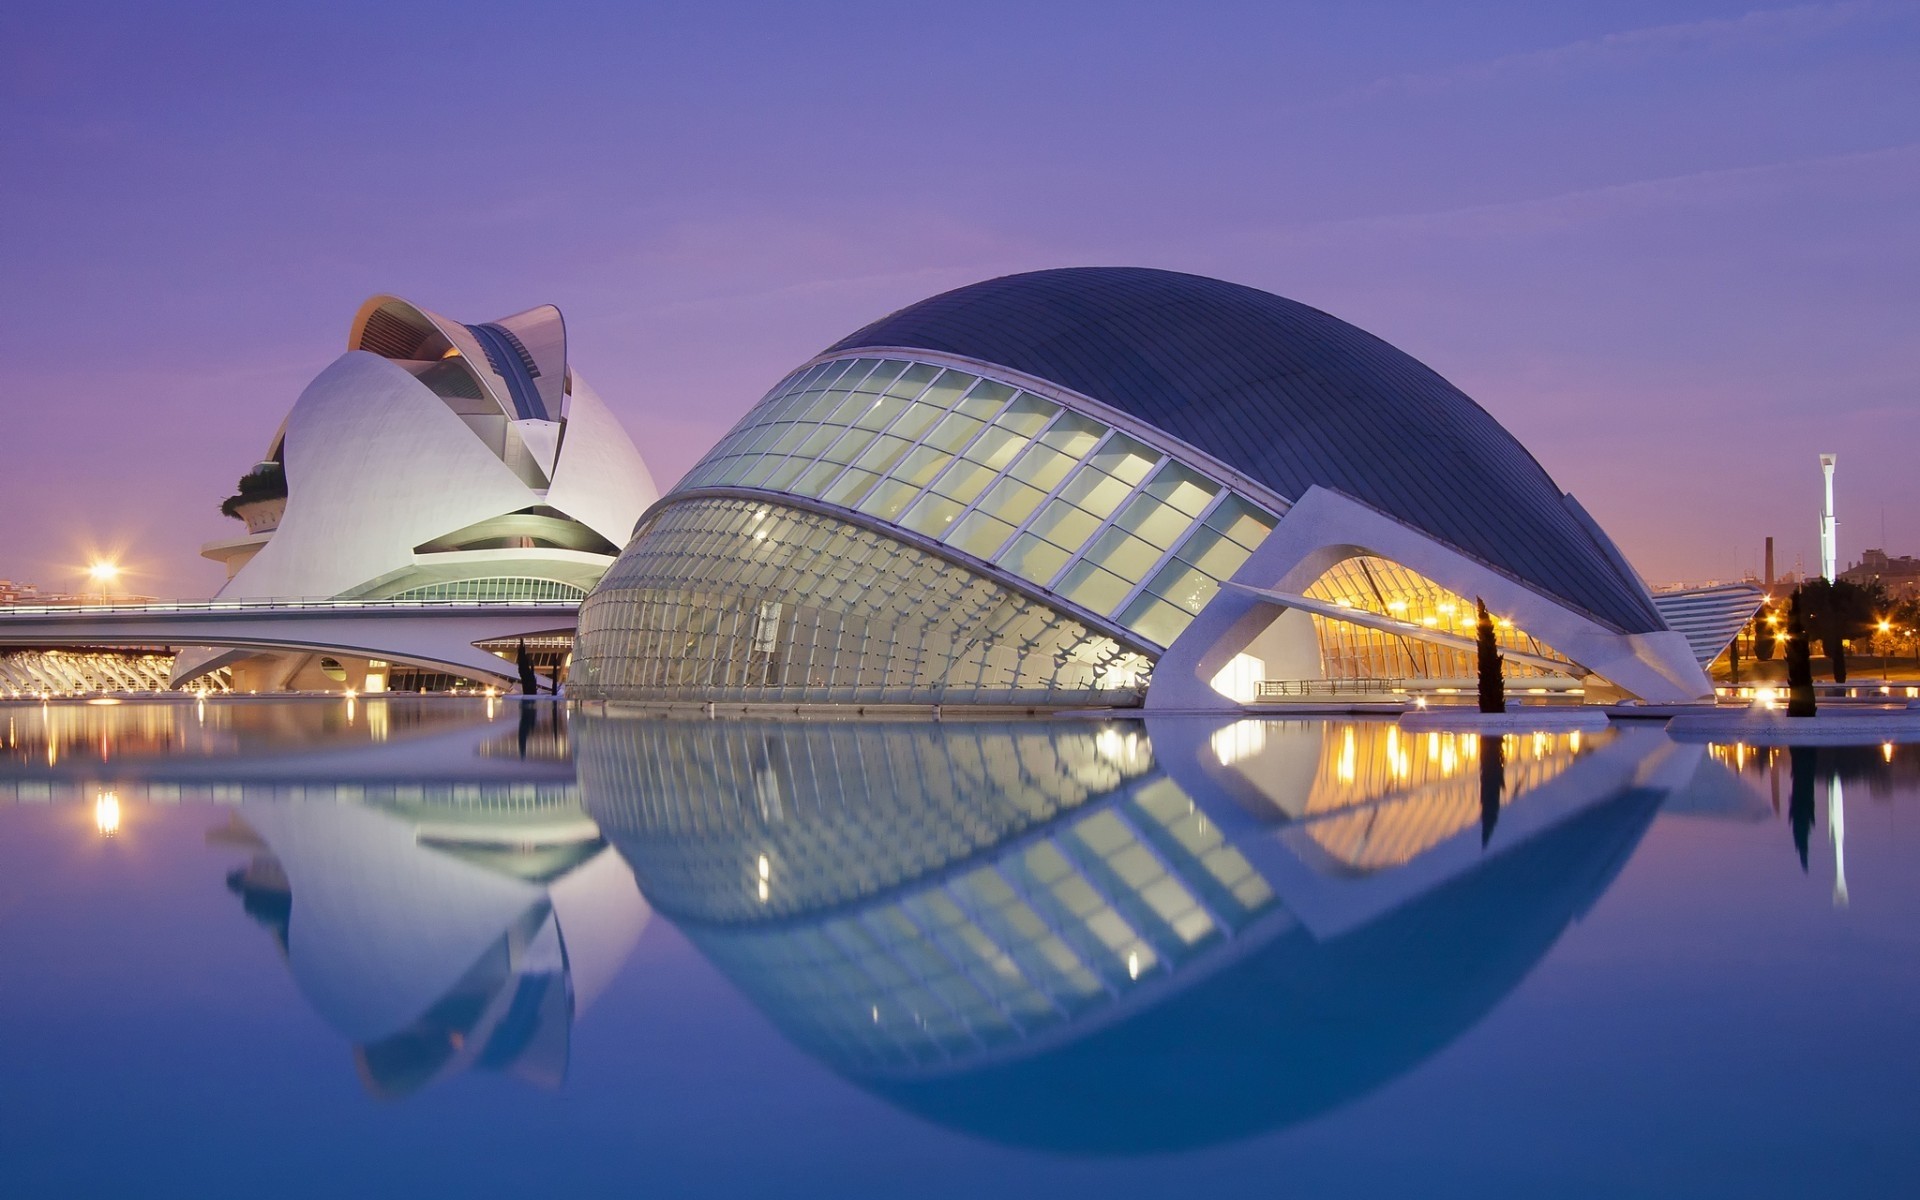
<point x="436" y="460"/>
<point x="1065" y="486"/>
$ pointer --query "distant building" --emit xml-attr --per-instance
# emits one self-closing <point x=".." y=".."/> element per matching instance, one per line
<point x="1899" y="576"/>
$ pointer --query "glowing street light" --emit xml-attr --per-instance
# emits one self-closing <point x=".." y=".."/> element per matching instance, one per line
<point x="103" y="573"/>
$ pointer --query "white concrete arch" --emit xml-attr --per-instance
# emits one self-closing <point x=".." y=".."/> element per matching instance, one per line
<point x="1324" y="528"/>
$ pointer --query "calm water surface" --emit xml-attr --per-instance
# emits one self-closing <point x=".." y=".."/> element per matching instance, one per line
<point x="461" y="948"/>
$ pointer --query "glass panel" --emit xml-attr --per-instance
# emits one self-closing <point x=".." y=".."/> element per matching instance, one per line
<point x="1125" y="458"/>
<point x="1012" y="501"/>
<point x="913" y="381"/>
<point x="790" y="437"/>
<point x="1092" y="588"/>
<point x="918" y="418"/>
<point x="852" y="408"/>
<point x="885" y="451"/>
<point x="1064" y="525"/>
<point x="822" y="406"/>
<point x="1209" y="550"/>
<point x="932" y="515"/>
<point x="985" y="399"/>
<point x="849" y="487"/>
<point x="817" y="441"/>
<point x="964" y="480"/>
<point x="1098" y="493"/>
<point x="1154" y="521"/>
<point x="1027" y="415"/>
<point x="880" y="412"/>
<point x="979" y="535"/>
<point x="884" y="374"/>
<point x="784" y="474"/>
<point x="919" y="467"/>
<point x="1041" y="467"/>
<point x="1156" y="620"/>
<point x="1241" y="521"/>
<point x="1124" y="555"/>
<point x="1030" y="558"/>
<point x="996" y="448"/>
<point x="848" y="447"/>
<point x="1074" y="434"/>
<point x="946" y="389"/>
<point x="953" y="432"/>
<point x="814" y="478"/>
<point x="1185" y="586"/>
<point x="760" y="470"/>
<point x="1184" y="489"/>
<point x="888" y="499"/>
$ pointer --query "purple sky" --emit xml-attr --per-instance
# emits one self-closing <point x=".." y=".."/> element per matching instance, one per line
<point x="1671" y="245"/>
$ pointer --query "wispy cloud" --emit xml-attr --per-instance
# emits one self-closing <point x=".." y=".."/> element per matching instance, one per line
<point x="1632" y="46"/>
<point x="1587" y="205"/>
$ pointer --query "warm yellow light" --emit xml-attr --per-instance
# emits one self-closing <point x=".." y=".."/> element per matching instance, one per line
<point x="1886" y="751"/>
<point x="766" y="868"/>
<point x="106" y="814"/>
<point x="1429" y="620"/>
<point x="1396" y="606"/>
<point x="1446" y="610"/>
<point x="1885" y="626"/>
<point x="102" y="571"/>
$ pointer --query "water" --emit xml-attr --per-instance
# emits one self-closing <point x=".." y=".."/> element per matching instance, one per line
<point x="470" y="948"/>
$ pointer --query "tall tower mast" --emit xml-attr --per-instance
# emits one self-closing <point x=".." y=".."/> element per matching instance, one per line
<point x="1829" y="528"/>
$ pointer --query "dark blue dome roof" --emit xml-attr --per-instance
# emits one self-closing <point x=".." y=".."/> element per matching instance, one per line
<point x="1290" y="396"/>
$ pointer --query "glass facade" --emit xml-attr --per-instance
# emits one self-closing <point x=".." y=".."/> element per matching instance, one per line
<point x="1054" y="497"/>
<point x="1383" y="588"/>
<point x="758" y="601"/>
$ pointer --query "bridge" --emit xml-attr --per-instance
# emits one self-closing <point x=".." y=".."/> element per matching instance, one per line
<point x="434" y="634"/>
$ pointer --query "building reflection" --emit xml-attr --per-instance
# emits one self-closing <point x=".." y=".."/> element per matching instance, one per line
<point x="1120" y="937"/>
<point x="460" y="915"/>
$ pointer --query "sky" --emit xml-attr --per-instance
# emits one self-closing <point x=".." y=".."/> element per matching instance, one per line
<point x="1671" y="245"/>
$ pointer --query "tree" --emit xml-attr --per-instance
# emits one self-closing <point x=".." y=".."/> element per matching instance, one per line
<point x="1837" y="611"/>
<point x="1493" y="689"/>
<point x="1763" y="634"/>
<point x="529" y="682"/>
<point x="1800" y="700"/>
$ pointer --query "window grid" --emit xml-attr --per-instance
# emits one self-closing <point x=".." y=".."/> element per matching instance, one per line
<point x="955" y="461"/>
<point x="750" y="600"/>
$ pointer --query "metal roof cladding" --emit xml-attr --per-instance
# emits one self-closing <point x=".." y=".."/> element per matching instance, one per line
<point x="1292" y="397"/>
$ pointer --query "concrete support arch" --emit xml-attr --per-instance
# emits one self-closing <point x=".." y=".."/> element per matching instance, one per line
<point x="1325" y="528"/>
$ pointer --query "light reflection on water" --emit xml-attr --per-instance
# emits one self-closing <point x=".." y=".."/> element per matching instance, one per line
<point x="1100" y="939"/>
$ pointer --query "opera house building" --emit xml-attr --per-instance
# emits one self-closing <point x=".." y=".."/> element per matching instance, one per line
<point x="1114" y="487"/>
<point x="433" y="461"/>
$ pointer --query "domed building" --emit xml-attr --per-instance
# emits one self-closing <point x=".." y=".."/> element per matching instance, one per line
<point x="1116" y="486"/>
<point x="434" y="460"/>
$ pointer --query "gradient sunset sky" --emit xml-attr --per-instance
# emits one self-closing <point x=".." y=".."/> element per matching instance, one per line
<point x="1673" y="246"/>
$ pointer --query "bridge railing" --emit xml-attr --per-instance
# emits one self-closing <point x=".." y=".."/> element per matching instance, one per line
<point x="280" y="603"/>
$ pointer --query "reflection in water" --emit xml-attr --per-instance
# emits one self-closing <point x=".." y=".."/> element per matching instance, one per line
<point x="425" y="867"/>
<point x="440" y="939"/>
<point x="459" y="916"/>
<point x="1120" y="937"/>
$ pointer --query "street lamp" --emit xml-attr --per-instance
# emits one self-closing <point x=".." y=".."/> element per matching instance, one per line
<point x="104" y="573"/>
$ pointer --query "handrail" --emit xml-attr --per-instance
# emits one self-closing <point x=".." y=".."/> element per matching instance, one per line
<point x="1274" y="688"/>
<point x="270" y="605"/>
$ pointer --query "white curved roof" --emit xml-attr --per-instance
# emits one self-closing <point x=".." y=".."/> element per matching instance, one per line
<point x="427" y="427"/>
